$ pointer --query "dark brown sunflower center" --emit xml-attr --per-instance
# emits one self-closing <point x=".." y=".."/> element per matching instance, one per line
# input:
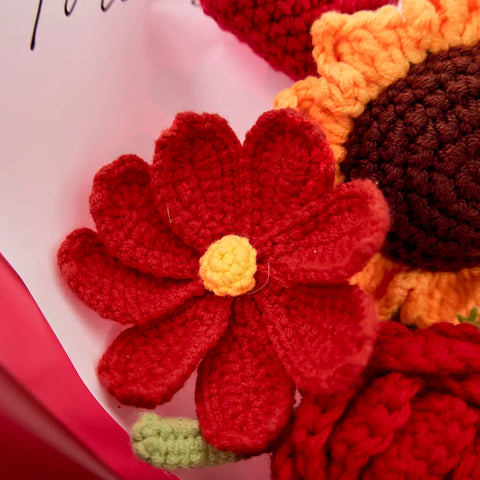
<point x="420" y="140"/>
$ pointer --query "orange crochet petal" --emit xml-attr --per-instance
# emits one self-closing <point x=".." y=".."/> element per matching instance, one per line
<point x="114" y="291"/>
<point x="439" y="296"/>
<point x="244" y="397"/>
<point x="421" y="298"/>
<point x="129" y="225"/>
<point x="147" y="364"/>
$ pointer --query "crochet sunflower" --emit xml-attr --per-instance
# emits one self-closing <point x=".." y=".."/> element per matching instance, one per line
<point x="398" y="97"/>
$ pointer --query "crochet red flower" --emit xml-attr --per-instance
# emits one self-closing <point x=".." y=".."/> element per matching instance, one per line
<point x="236" y="257"/>
<point x="416" y="415"/>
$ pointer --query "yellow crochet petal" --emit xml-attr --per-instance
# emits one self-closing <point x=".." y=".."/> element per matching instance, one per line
<point x="421" y="298"/>
<point x="359" y="55"/>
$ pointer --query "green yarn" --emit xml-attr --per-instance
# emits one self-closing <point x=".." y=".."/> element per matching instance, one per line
<point x="472" y="318"/>
<point x="171" y="443"/>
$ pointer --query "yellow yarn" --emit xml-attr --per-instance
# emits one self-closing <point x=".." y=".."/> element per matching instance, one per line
<point x="359" y="55"/>
<point x="228" y="266"/>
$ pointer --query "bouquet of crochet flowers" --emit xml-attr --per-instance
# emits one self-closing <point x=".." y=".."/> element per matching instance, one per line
<point x="415" y="416"/>
<point x="398" y="98"/>
<point x="234" y="259"/>
<point x="266" y="265"/>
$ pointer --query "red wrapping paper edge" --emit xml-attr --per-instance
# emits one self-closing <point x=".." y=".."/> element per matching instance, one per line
<point x="32" y="355"/>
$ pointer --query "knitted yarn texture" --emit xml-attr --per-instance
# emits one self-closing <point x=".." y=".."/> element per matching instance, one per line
<point x="279" y="30"/>
<point x="170" y="443"/>
<point x="300" y="325"/>
<point x="398" y="98"/>
<point x="416" y="416"/>
<point x="228" y="266"/>
<point x="420" y="140"/>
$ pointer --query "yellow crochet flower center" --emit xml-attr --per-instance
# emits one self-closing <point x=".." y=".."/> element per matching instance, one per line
<point x="228" y="266"/>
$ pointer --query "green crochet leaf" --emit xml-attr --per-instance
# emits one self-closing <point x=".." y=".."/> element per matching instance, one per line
<point x="472" y="318"/>
<point x="171" y="443"/>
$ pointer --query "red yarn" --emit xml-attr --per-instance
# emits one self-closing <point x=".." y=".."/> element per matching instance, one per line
<point x="128" y="224"/>
<point x="244" y="348"/>
<point x="114" y="290"/>
<point x="147" y="364"/>
<point x="279" y="31"/>
<point x="319" y="355"/>
<point x="155" y="222"/>
<point x="416" y="416"/>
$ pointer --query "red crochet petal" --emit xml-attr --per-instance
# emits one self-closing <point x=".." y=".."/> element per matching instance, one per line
<point x="441" y="349"/>
<point x="282" y="465"/>
<point x="287" y="166"/>
<point x="129" y="225"/>
<point x="466" y="387"/>
<point x="114" y="291"/>
<point x="469" y="466"/>
<point x="314" y="419"/>
<point x="323" y="335"/>
<point x="371" y="424"/>
<point x="193" y="178"/>
<point x="147" y="364"/>
<point x="432" y="442"/>
<point x="301" y="453"/>
<point x="244" y="397"/>
<point x="333" y="240"/>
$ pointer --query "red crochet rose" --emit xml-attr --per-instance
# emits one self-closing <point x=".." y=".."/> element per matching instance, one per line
<point x="416" y="416"/>
<point x="261" y="226"/>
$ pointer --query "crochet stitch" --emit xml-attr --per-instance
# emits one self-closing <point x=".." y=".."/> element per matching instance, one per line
<point x="398" y="100"/>
<point x="303" y="325"/>
<point x="228" y="266"/>
<point x="420" y="140"/>
<point x="279" y="31"/>
<point x="416" y="416"/>
<point x="171" y="443"/>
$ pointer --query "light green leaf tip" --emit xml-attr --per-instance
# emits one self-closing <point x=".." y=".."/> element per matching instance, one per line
<point x="472" y="318"/>
<point x="171" y="443"/>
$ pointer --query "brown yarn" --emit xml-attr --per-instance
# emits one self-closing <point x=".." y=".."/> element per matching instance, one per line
<point x="420" y="140"/>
